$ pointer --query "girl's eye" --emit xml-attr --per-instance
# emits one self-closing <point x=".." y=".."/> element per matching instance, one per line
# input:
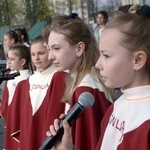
<point x="106" y="56"/>
<point x="42" y="53"/>
<point x="56" y="48"/>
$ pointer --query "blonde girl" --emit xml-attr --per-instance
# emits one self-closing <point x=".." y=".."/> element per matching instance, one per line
<point x="72" y="47"/>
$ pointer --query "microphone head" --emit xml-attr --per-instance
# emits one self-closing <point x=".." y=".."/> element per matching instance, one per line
<point x="86" y="99"/>
<point x="3" y="70"/>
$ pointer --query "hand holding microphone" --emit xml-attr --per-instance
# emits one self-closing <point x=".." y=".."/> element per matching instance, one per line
<point x="86" y="100"/>
<point x="66" y="141"/>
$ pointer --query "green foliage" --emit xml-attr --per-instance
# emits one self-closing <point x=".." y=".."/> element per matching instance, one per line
<point x="38" y="10"/>
<point x="10" y="11"/>
<point x="70" y="4"/>
<point x="63" y="5"/>
<point x="28" y="12"/>
<point x="44" y="12"/>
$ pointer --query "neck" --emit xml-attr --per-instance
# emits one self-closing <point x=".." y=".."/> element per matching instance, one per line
<point x="102" y="26"/>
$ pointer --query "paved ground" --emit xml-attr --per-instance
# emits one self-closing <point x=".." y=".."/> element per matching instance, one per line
<point x="2" y="131"/>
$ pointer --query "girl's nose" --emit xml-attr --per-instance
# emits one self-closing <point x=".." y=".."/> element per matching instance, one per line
<point x="36" y="57"/>
<point x="50" y="56"/>
<point x="98" y="64"/>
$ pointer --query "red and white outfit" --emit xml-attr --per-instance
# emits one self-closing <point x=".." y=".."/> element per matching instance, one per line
<point x="126" y="125"/>
<point x="86" y="129"/>
<point x="8" y="106"/>
<point x="40" y="105"/>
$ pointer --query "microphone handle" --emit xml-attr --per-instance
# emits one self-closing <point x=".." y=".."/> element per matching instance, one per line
<point x="6" y="77"/>
<point x="9" y="76"/>
<point x="71" y="116"/>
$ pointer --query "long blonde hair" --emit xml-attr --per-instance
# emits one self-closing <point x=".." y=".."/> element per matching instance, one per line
<point x="75" y="31"/>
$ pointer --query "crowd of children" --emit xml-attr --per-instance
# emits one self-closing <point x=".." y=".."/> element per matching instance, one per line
<point x="124" y="62"/>
<point x="68" y="63"/>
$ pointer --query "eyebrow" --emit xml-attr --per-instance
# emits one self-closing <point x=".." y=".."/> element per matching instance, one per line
<point x="54" y="45"/>
<point x="103" y="50"/>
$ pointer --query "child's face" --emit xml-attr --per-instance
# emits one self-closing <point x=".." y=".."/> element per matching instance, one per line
<point x="63" y="55"/>
<point x="100" y="19"/>
<point x="7" y="41"/>
<point x="13" y="61"/>
<point x="39" y="56"/>
<point x="115" y="62"/>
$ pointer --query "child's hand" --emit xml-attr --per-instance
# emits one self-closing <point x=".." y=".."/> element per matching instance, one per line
<point x="66" y="142"/>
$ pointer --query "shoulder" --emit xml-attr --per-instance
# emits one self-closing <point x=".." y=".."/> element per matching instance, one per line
<point x="23" y="83"/>
<point x="93" y="82"/>
<point x="59" y="76"/>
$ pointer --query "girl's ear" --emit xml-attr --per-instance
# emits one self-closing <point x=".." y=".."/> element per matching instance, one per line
<point x="12" y="41"/>
<point x="80" y="49"/>
<point x="22" y="37"/>
<point x="140" y="58"/>
<point x="23" y="61"/>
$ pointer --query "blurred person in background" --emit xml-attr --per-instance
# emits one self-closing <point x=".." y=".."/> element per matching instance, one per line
<point x="10" y="38"/>
<point x="134" y="8"/>
<point x="101" y="18"/>
<point x="23" y="37"/>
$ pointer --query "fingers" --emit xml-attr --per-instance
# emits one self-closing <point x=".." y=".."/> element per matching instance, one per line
<point x="62" y="116"/>
<point x="66" y="126"/>
<point x="67" y="137"/>
<point x="48" y="133"/>
<point x="56" y="124"/>
<point x="67" y="130"/>
<point x="53" y="128"/>
<point x="66" y="143"/>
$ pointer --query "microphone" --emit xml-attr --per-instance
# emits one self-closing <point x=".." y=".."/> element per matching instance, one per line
<point x="4" y="70"/>
<point x="9" y="76"/>
<point x="86" y="100"/>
